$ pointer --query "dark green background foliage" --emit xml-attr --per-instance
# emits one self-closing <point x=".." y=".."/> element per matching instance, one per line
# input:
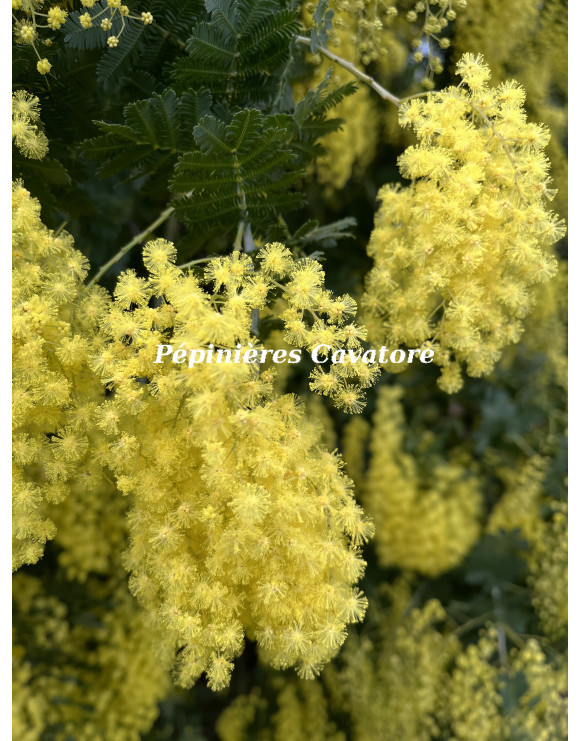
<point x="198" y="111"/>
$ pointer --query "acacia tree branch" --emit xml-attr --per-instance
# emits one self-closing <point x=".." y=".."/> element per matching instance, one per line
<point x="129" y="246"/>
<point x="350" y="67"/>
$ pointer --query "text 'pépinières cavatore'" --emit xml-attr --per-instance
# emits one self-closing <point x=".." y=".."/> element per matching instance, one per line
<point x="319" y="354"/>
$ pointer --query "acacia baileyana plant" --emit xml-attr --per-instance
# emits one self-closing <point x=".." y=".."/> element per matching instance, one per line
<point x="185" y="533"/>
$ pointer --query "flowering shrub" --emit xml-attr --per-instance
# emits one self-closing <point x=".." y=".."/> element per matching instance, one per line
<point x="244" y="505"/>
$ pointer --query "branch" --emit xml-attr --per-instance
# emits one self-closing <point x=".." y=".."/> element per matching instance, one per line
<point x="359" y="74"/>
<point x="129" y="246"/>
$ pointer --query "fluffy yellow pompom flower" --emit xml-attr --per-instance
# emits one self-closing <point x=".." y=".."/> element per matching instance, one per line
<point x="548" y="562"/>
<point x="519" y="506"/>
<point x="28" y="138"/>
<point x="394" y="679"/>
<point x="27" y="33"/>
<point x="43" y="66"/>
<point x="56" y="17"/>
<point x="300" y="712"/>
<point x="458" y="253"/>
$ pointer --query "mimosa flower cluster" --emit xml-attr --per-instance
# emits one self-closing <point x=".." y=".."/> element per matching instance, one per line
<point x="180" y="497"/>
<point x="410" y="678"/>
<point x="394" y="680"/>
<point x="460" y="252"/>
<point x="240" y="523"/>
<point x="60" y="689"/>
<point x="54" y="391"/>
<point x="540" y="712"/>
<point x="312" y="318"/>
<point x="522" y="509"/>
<point x="26" y="134"/>
<point x="30" y="24"/>
<point x="427" y="523"/>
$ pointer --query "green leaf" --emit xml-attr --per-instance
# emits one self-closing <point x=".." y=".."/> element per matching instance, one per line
<point x="118" y="62"/>
<point x="155" y="132"/>
<point x="49" y="170"/>
<point x="243" y="171"/>
<point x="237" y="50"/>
<point x="210" y="135"/>
<point x="322" y="20"/>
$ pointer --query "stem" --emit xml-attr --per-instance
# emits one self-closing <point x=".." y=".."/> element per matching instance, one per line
<point x="473" y="623"/>
<point x="129" y="246"/>
<point x="359" y="74"/>
<point x="167" y="35"/>
<point x="249" y="247"/>
<point x="248" y="239"/>
<point x="239" y="235"/>
<point x="194" y="262"/>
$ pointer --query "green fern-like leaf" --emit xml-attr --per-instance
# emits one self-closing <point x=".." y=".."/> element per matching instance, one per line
<point x="243" y="171"/>
<point x="155" y="131"/>
<point x="118" y="62"/>
<point x="236" y="52"/>
<point x="311" y="121"/>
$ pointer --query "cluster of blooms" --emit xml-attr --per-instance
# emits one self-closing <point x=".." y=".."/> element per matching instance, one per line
<point x="54" y="392"/>
<point x="109" y="13"/>
<point x="429" y="19"/>
<point x="521" y="508"/>
<point x="548" y="562"/>
<point x="410" y="678"/>
<point x="540" y="712"/>
<point x="394" y="681"/>
<point x="311" y="316"/>
<point x="533" y="48"/>
<point x="89" y="676"/>
<point x="379" y="32"/>
<point x="81" y="519"/>
<point x="240" y="522"/>
<point x="29" y="27"/>
<point x="382" y="701"/>
<point x="301" y="712"/>
<point x="29" y="139"/>
<point x="425" y="522"/>
<point x="518" y="507"/>
<point x="459" y="252"/>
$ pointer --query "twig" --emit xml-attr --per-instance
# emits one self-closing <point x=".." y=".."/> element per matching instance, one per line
<point x="349" y="66"/>
<point x="129" y="246"/>
<point x="249" y="247"/>
<point x="194" y="262"/>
